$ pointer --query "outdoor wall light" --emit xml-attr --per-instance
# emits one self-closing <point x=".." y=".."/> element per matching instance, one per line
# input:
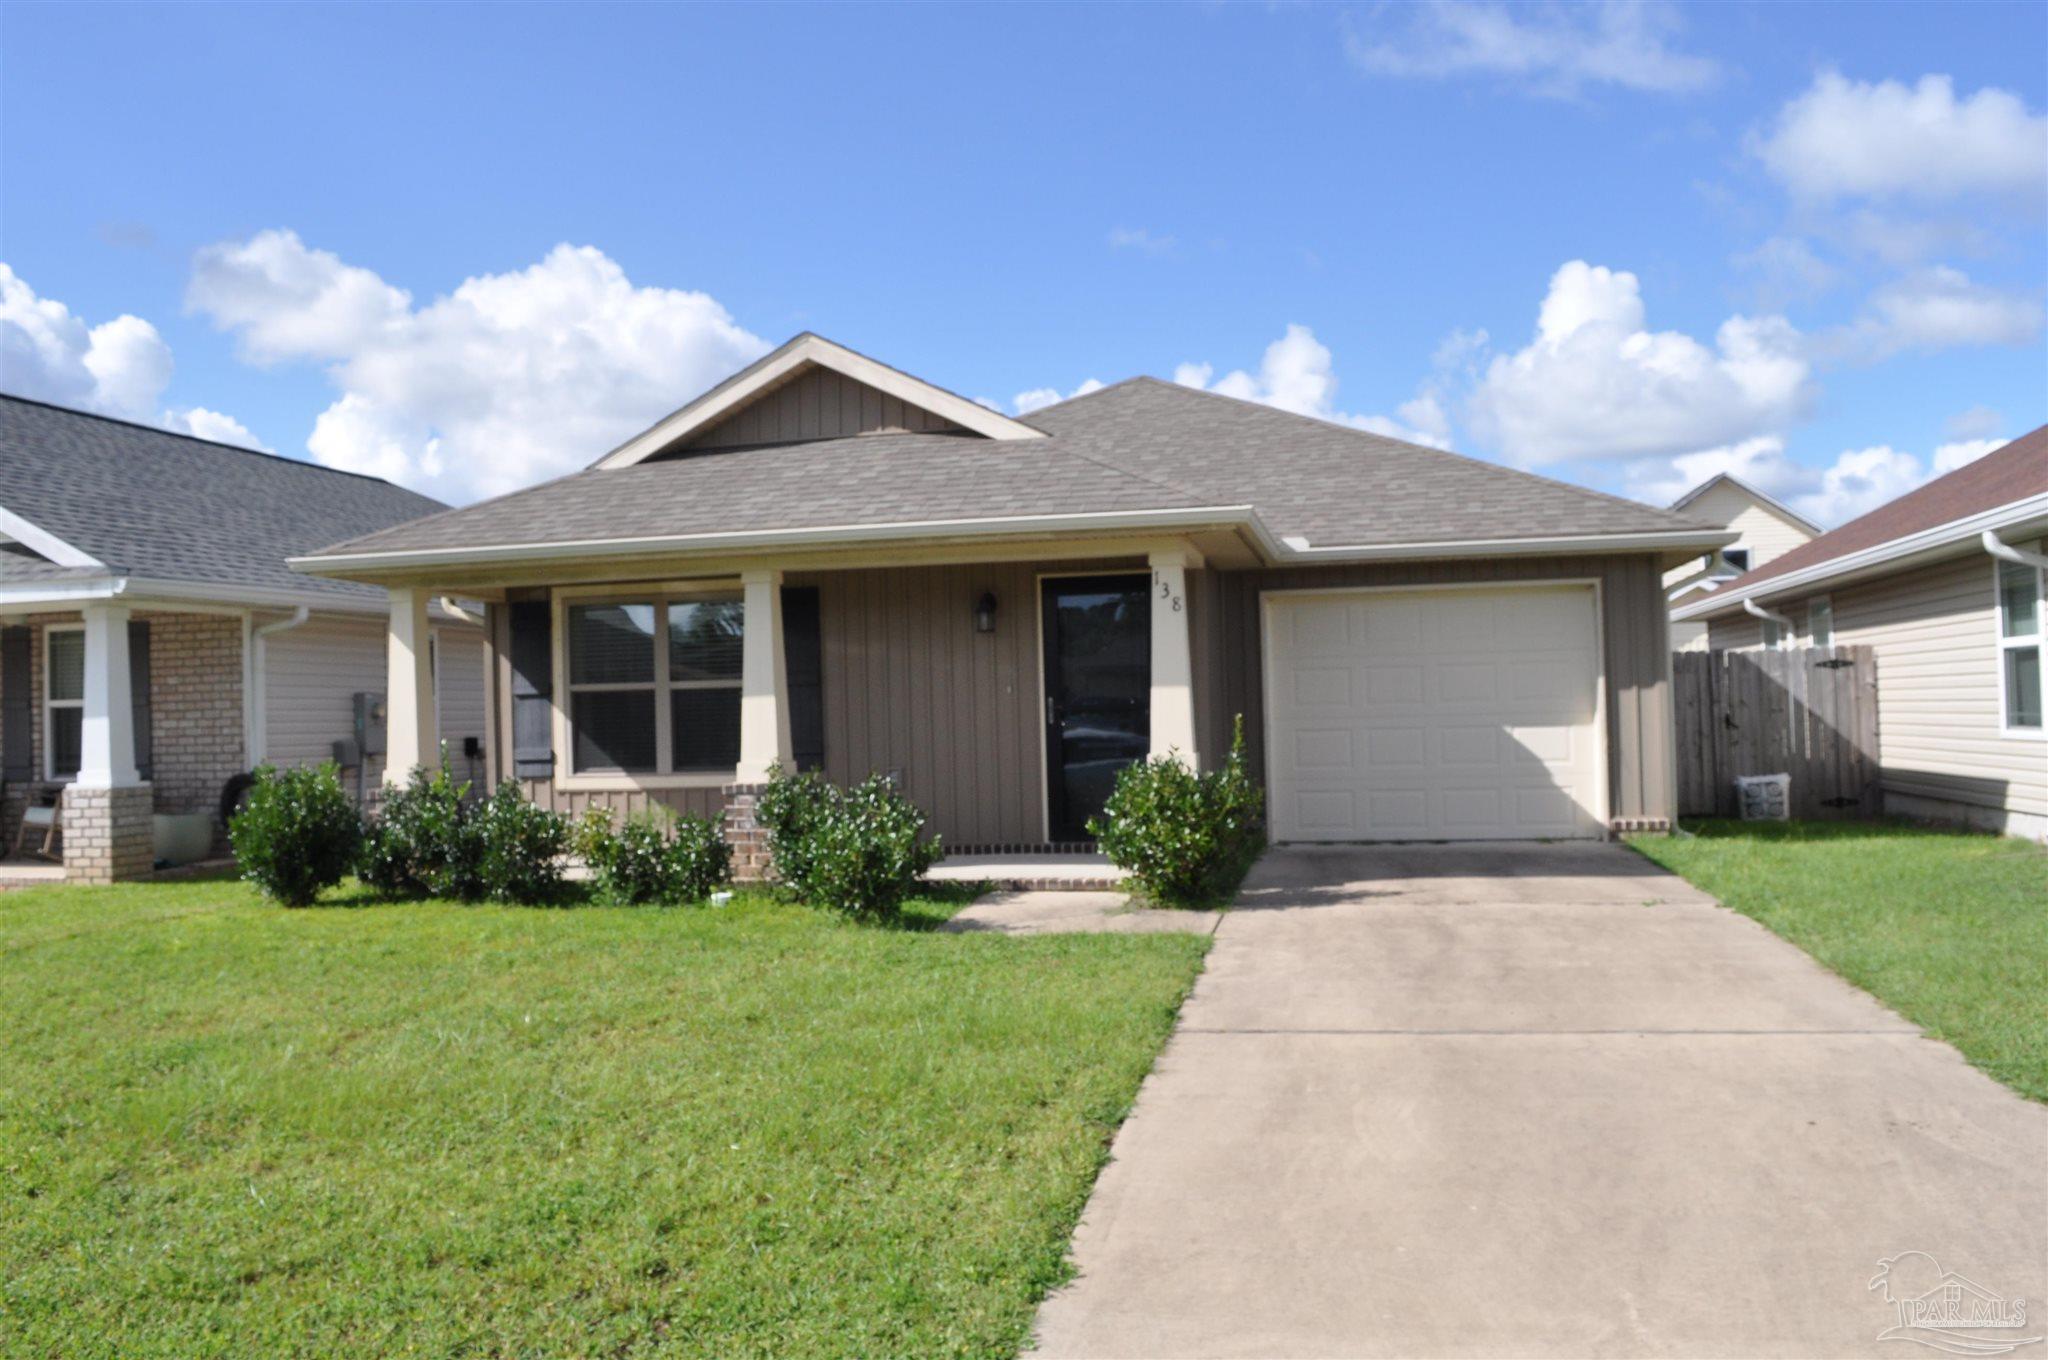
<point x="985" y="612"/>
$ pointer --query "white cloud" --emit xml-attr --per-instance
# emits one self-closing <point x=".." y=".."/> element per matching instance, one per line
<point x="1975" y="423"/>
<point x="1939" y="308"/>
<point x="1552" y="50"/>
<point x="1297" y="374"/>
<point x="1595" y="383"/>
<point x="1137" y="238"/>
<point x="222" y="429"/>
<point x="509" y="379"/>
<point x="1885" y="139"/>
<point x="1024" y="403"/>
<point x="1786" y="269"/>
<point x="1857" y="482"/>
<point x="117" y="368"/>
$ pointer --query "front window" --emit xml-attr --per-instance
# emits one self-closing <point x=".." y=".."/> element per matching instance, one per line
<point x="654" y="686"/>
<point x="2019" y="644"/>
<point x="63" y="700"/>
<point x="1820" y="623"/>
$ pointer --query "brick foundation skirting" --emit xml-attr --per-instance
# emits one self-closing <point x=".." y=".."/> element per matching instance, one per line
<point x="109" y="836"/>
<point x="747" y="837"/>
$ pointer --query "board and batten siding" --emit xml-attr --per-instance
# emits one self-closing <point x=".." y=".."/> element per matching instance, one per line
<point x="1635" y="631"/>
<point x="820" y="404"/>
<point x="1933" y="630"/>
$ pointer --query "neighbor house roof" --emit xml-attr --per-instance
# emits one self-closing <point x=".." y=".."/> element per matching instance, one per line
<point x="86" y="497"/>
<point x="1765" y="499"/>
<point x="1142" y="448"/>
<point x="2007" y="487"/>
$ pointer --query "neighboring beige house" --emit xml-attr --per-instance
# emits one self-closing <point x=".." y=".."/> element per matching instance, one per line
<point x="826" y="562"/>
<point x="1766" y="529"/>
<point x="1945" y="585"/>
<point x="154" y="645"/>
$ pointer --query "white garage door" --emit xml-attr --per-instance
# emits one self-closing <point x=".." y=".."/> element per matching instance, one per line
<point x="1434" y="715"/>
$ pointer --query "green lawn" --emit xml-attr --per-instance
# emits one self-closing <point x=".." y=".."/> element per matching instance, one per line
<point x="1948" y="928"/>
<point x="231" y="1129"/>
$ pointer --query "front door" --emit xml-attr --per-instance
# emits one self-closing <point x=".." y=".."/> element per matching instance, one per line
<point x="1098" y="691"/>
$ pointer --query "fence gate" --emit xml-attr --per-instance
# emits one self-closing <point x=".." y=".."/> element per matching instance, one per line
<point x="1808" y="712"/>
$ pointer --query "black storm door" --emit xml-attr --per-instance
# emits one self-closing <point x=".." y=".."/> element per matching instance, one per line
<point x="1098" y="691"/>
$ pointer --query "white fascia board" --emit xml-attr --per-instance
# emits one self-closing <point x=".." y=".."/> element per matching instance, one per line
<point x="772" y="368"/>
<point x="1940" y="541"/>
<point x="836" y="535"/>
<point x="42" y="542"/>
<point x="1242" y="517"/>
<point x="59" y="594"/>
<point x="171" y="596"/>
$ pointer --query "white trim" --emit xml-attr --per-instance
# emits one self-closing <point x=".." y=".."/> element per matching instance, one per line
<point x="811" y="350"/>
<point x="1603" y="779"/>
<point x="42" y="542"/>
<point x="2038" y="639"/>
<point x="1893" y="551"/>
<point x="50" y="704"/>
<point x="1219" y="516"/>
<point x="188" y="596"/>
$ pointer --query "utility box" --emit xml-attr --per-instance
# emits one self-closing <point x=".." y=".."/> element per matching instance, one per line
<point x="1764" y="797"/>
<point x="369" y="715"/>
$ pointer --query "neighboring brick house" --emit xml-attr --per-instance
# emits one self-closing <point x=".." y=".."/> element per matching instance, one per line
<point x="153" y="643"/>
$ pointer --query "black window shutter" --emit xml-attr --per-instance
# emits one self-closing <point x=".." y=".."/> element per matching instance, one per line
<point x="138" y="694"/>
<point x="803" y="655"/>
<point x="17" y="718"/>
<point x="533" y="683"/>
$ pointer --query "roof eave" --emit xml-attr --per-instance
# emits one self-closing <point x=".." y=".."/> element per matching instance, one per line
<point x="1955" y="538"/>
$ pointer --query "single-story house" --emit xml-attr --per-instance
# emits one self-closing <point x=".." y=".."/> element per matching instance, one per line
<point x="1765" y="528"/>
<point x="154" y="645"/>
<point x="1944" y="584"/>
<point x="827" y="562"/>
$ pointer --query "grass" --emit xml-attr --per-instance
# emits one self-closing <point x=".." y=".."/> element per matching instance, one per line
<point x="1948" y="928"/>
<point x="231" y="1129"/>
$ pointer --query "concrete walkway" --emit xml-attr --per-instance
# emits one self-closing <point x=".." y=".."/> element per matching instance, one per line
<point x="1064" y="912"/>
<point x="1538" y="1100"/>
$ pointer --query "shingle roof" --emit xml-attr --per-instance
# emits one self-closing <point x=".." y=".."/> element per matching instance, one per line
<point x="149" y="503"/>
<point x="2014" y="472"/>
<point x="1140" y="445"/>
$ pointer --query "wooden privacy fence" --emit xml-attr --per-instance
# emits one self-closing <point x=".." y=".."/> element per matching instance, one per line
<point x="1809" y="712"/>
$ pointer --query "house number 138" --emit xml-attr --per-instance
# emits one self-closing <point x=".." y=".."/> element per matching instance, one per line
<point x="1166" y="592"/>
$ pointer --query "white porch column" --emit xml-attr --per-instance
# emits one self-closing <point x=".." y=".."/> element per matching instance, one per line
<point x="106" y="757"/>
<point x="1173" y="669"/>
<point x="764" y="680"/>
<point x="411" y="736"/>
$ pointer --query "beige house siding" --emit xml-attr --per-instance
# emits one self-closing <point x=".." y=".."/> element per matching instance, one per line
<point x="819" y="404"/>
<point x="1934" y="632"/>
<point x="1766" y="533"/>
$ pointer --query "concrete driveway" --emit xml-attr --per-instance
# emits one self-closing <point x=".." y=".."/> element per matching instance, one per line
<point x="1533" y="1100"/>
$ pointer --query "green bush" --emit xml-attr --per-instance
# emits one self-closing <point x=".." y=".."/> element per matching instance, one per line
<point x="853" y="850"/>
<point x="297" y="834"/>
<point x="519" y="847"/>
<point x="1186" y="839"/>
<point x="654" y="856"/>
<point x="422" y="843"/>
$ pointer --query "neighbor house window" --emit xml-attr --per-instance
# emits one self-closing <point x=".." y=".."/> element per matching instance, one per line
<point x="1736" y="558"/>
<point x="1820" y="623"/>
<point x="63" y="701"/>
<point x="2019" y="644"/>
<point x="1774" y="634"/>
<point x="654" y="686"/>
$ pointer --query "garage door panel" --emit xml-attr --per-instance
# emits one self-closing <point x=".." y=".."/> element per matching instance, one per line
<point x="1435" y="715"/>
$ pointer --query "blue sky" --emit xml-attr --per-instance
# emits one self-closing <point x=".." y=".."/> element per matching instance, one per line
<point x="1759" y="237"/>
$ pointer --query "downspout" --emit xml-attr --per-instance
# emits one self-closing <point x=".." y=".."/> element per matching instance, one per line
<point x="259" y="740"/>
<point x="1786" y="630"/>
<point x="1998" y="547"/>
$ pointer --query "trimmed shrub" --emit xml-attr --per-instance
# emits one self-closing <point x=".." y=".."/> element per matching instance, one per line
<point x="654" y="856"/>
<point x="421" y="844"/>
<point x="854" y="851"/>
<point x="519" y="847"/>
<point x="1186" y="839"/>
<point x="297" y="834"/>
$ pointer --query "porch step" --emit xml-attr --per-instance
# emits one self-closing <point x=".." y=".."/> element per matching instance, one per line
<point x="1031" y="873"/>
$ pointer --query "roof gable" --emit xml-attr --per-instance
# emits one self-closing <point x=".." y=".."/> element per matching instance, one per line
<point x="1702" y="501"/>
<point x="813" y="389"/>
